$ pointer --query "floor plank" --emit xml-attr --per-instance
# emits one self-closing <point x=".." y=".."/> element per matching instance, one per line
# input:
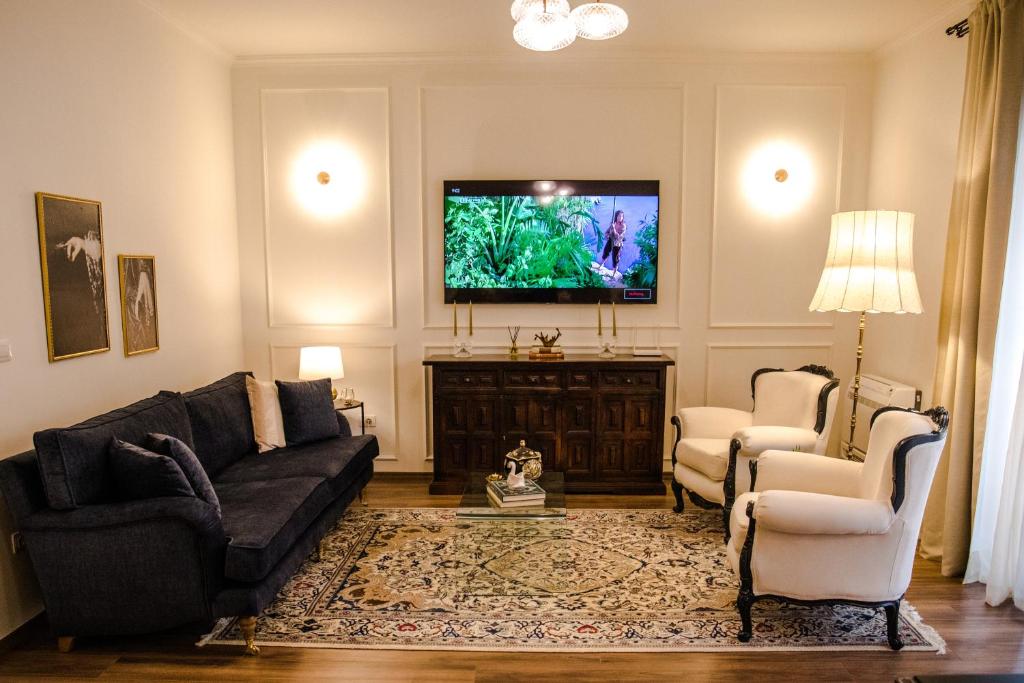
<point x="980" y="639"/>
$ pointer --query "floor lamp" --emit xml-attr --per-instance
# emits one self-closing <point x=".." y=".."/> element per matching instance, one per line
<point x="869" y="269"/>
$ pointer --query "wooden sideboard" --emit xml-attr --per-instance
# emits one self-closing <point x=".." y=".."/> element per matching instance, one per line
<point x="600" y="422"/>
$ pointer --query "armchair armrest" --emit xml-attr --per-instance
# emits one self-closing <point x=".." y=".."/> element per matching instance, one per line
<point x="708" y="422"/>
<point x="799" y="512"/>
<point x="754" y="440"/>
<point x="781" y="470"/>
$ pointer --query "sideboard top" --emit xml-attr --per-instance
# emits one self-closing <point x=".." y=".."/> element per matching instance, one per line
<point x="574" y="358"/>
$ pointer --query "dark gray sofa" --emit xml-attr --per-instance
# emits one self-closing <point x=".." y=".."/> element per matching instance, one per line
<point x="115" y="568"/>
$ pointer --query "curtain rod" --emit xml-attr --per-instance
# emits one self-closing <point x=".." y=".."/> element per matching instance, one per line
<point x="960" y="29"/>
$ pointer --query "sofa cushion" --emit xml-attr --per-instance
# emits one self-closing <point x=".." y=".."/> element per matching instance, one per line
<point x="708" y="456"/>
<point x="178" y="451"/>
<point x="328" y="459"/>
<point x="73" y="460"/>
<point x="221" y="422"/>
<point x="139" y="473"/>
<point x="308" y="411"/>
<point x="263" y="519"/>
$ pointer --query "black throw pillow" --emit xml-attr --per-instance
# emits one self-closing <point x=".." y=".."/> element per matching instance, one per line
<point x="307" y="410"/>
<point x="178" y="451"/>
<point x="139" y="473"/>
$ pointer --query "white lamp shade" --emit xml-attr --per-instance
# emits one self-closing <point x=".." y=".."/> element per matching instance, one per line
<point x="599" y="20"/>
<point x="522" y="8"/>
<point x="318" y="362"/>
<point x="870" y="264"/>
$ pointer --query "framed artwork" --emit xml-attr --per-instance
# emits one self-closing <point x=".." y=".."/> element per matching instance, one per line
<point x="74" y="279"/>
<point x="138" y="303"/>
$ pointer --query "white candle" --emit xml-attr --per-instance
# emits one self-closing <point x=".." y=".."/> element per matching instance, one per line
<point x="600" y="328"/>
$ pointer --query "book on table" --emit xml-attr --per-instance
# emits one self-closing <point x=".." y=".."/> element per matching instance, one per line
<point x="530" y="494"/>
<point x="497" y="502"/>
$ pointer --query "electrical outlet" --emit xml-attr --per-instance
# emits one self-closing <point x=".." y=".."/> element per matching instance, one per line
<point x="370" y="421"/>
<point x="17" y="543"/>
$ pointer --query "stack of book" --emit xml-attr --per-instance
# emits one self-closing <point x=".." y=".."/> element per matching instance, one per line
<point x="546" y="353"/>
<point x="504" y="497"/>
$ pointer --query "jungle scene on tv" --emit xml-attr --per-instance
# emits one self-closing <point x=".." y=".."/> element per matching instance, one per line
<point x="563" y="242"/>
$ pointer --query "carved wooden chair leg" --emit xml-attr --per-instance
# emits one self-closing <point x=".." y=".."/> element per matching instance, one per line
<point x="892" y="625"/>
<point x="247" y="625"/>
<point x="744" y="603"/>
<point x="677" y="490"/>
<point x="65" y="644"/>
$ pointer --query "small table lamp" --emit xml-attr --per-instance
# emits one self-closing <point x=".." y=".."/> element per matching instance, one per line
<point x="869" y="269"/>
<point x="317" y="362"/>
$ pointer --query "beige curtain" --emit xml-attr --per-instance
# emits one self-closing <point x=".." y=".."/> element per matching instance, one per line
<point x="979" y="224"/>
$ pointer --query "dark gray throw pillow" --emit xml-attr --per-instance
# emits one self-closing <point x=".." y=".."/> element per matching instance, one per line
<point x="307" y="410"/>
<point x="139" y="473"/>
<point x="178" y="451"/>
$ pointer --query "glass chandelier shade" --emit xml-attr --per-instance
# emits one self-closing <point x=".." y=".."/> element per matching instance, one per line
<point x="545" y="31"/>
<point x="522" y="8"/>
<point x="599" y="20"/>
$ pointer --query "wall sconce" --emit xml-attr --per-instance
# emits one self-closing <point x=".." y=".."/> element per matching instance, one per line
<point x="328" y="179"/>
<point x="778" y="178"/>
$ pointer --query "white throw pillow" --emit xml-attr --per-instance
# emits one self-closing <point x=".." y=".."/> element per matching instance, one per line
<point x="267" y="423"/>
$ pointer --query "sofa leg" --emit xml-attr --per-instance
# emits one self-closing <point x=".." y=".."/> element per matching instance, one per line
<point x="892" y="625"/>
<point x="362" y="497"/>
<point x="677" y="490"/>
<point x="247" y="625"/>
<point x="65" y="644"/>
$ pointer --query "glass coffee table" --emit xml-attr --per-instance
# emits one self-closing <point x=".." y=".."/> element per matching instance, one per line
<point x="476" y="505"/>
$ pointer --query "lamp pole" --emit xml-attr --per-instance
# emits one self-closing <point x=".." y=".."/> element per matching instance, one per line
<point x="856" y="384"/>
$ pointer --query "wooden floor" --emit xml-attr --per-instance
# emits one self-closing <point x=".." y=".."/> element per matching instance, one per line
<point x="980" y="639"/>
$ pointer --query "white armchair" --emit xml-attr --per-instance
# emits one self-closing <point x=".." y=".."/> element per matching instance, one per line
<point x="824" y="531"/>
<point x="793" y="411"/>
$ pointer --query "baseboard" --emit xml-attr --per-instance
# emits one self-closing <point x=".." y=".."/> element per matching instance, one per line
<point x="23" y="633"/>
<point x="405" y="477"/>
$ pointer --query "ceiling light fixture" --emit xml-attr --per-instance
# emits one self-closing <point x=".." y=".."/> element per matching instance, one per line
<point x="599" y="20"/>
<point x="547" y="25"/>
<point x="545" y="30"/>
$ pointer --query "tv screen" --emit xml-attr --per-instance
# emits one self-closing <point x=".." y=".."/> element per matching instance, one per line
<point x="551" y="241"/>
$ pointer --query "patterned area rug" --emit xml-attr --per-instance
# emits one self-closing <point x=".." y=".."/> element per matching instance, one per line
<point x="601" y="581"/>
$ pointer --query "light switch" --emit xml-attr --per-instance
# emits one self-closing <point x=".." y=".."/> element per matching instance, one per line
<point x="5" y="351"/>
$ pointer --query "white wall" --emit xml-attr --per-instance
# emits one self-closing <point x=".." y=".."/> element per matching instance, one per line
<point x="918" y="94"/>
<point x="107" y="100"/>
<point x="734" y="282"/>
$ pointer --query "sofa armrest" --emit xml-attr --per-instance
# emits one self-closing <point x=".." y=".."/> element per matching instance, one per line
<point x="783" y="470"/>
<point x="800" y="512"/>
<point x="754" y="440"/>
<point x="195" y="513"/>
<point x="343" y="426"/>
<point x="708" y="422"/>
<point x="124" y="568"/>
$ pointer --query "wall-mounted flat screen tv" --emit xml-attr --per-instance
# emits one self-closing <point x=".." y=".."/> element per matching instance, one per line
<point x="551" y="241"/>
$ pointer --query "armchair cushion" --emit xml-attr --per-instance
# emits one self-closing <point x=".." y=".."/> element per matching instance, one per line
<point x="73" y="460"/>
<point x="708" y="422"/>
<point x="754" y="440"/>
<point x="800" y="472"/>
<point x="139" y="473"/>
<point x="710" y="457"/>
<point x="800" y="512"/>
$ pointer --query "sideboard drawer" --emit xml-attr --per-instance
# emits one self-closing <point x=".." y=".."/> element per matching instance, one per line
<point x="468" y="379"/>
<point x="533" y="379"/>
<point x="630" y="380"/>
<point x="580" y="379"/>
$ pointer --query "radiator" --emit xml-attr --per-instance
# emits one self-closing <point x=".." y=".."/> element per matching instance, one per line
<point x="875" y="392"/>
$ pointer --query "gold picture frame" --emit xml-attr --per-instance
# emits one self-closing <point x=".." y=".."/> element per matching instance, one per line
<point x="71" y="259"/>
<point x="140" y="320"/>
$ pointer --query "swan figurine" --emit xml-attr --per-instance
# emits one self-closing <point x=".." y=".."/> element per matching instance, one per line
<point x="515" y="481"/>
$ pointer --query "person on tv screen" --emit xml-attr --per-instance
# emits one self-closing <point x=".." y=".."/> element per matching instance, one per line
<point x="615" y="237"/>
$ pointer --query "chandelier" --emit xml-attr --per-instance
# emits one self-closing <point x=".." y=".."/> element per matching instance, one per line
<point x="546" y="25"/>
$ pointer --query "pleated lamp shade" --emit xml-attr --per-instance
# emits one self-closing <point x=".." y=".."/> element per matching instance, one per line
<point x="870" y="264"/>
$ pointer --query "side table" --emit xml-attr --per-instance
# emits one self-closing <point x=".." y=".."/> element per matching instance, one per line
<point x="342" y="405"/>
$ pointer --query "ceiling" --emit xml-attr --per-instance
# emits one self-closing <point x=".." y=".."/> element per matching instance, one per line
<point x="246" y="28"/>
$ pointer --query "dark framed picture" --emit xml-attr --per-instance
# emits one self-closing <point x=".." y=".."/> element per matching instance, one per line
<point x="138" y="303"/>
<point x="74" y="279"/>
